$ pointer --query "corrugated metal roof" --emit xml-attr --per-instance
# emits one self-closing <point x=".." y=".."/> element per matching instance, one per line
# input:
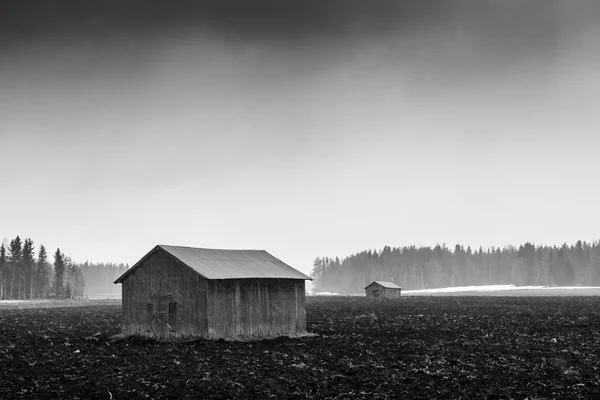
<point x="228" y="264"/>
<point x="233" y="264"/>
<point x="388" y="285"/>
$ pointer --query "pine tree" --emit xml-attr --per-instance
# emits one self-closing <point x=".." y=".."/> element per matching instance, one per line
<point x="28" y="263"/>
<point x="42" y="272"/>
<point x="59" y="273"/>
<point x="74" y="278"/>
<point x="3" y="272"/>
<point x="69" y="275"/>
<point x="14" y="264"/>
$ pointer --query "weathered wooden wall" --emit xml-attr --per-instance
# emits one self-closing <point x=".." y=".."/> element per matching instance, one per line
<point x="384" y="293"/>
<point x="159" y="281"/>
<point x="231" y="308"/>
<point x="257" y="308"/>
<point x="392" y="293"/>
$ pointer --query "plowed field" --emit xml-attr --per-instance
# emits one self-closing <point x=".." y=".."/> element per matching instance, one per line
<point x="412" y="348"/>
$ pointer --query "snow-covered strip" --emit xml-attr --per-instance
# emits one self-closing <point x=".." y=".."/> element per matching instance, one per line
<point x="104" y="296"/>
<point x="489" y="289"/>
<point x="494" y="288"/>
<point x="24" y="301"/>
<point x="325" y="294"/>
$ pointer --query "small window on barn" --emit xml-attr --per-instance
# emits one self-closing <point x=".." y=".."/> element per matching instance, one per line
<point x="172" y="316"/>
<point x="150" y="314"/>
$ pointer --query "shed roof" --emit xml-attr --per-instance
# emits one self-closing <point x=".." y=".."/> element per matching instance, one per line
<point x="228" y="264"/>
<point x="387" y="285"/>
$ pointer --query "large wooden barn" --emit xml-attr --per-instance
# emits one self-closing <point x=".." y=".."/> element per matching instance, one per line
<point x="381" y="289"/>
<point x="176" y="292"/>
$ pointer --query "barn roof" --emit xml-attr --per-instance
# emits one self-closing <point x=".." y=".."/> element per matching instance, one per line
<point x="387" y="285"/>
<point x="228" y="264"/>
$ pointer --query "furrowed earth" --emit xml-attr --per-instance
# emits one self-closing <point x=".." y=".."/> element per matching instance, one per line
<point x="413" y="348"/>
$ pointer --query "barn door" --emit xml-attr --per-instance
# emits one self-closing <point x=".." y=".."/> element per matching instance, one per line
<point x="162" y="316"/>
<point x="159" y="324"/>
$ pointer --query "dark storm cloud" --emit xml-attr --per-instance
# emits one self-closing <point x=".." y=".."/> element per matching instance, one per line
<point x="501" y="26"/>
<point x="261" y="17"/>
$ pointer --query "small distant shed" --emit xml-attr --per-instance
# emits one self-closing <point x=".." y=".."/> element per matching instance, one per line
<point x="380" y="289"/>
<point x="175" y="292"/>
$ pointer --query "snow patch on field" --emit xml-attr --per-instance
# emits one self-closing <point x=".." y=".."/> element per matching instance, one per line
<point x="104" y="296"/>
<point x="325" y="294"/>
<point x="56" y="303"/>
<point x="495" y="288"/>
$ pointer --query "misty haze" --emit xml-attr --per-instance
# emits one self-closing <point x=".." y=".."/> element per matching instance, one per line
<point x="177" y="171"/>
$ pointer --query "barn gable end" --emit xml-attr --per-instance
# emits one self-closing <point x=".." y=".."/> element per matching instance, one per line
<point x="161" y="280"/>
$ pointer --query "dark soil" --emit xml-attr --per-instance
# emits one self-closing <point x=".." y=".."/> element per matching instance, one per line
<point x="412" y="348"/>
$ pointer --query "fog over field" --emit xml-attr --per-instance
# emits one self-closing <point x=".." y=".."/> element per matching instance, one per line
<point x="306" y="128"/>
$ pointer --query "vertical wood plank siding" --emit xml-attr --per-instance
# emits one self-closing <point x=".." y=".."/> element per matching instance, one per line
<point x="384" y="293"/>
<point x="256" y="308"/>
<point x="231" y="308"/>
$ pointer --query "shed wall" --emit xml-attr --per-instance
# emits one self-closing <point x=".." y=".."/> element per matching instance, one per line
<point x="159" y="281"/>
<point x="258" y="308"/>
<point x="377" y="291"/>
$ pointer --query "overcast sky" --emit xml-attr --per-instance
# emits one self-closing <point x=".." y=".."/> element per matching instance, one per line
<point x="305" y="128"/>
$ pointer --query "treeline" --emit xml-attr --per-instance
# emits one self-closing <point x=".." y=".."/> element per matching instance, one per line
<point x="27" y="274"/>
<point x="100" y="277"/>
<point x="425" y="267"/>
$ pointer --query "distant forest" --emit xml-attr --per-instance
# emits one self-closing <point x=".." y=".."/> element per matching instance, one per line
<point x="100" y="277"/>
<point x="425" y="267"/>
<point x="27" y="274"/>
